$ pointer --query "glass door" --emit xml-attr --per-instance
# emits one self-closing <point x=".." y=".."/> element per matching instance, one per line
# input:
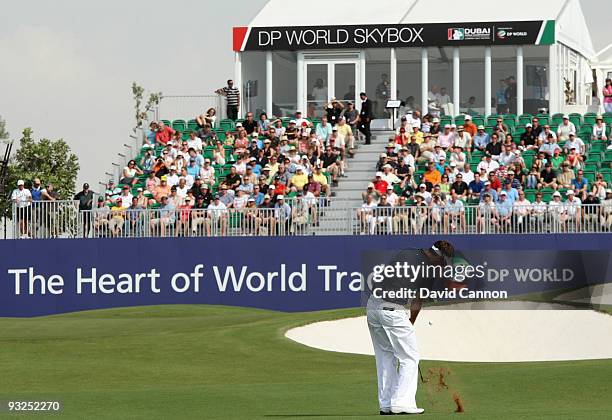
<point x="317" y="89"/>
<point x="345" y="77"/>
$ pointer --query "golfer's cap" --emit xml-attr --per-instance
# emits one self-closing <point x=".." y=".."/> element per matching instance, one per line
<point x="487" y="183"/>
<point x="569" y="192"/>
<point x="503" y="193"/>
<point x="100" y="199"/>
<point x="139" y="189"/>
<point x="528" y="125"/>
<point x="251" y="199"/>
<point x="371" y="185"/>
<point x="447" y="126"/>
<point x="453" y="164"/>
<point x="571" y="133"/>
<point x="164" y="178"/>
<point x="383" y="155"/>
<point x="556" y="194"/>
<point x="460" y="128"/>
<point x="422" y="186"/>
<point x="272" y="187"/>
<point x="566" y="117"/>
<point x="379" y="174"/>
<point x="453" y="125"/>
<point x="172" y="167"/>
<point x="436" y="120"/>
<point x="20" y="182"/>
<point x="468" y="117"/>
<point x="238" y="124"/>
<point x="481" y="127"/>
<point x="292" y="122"/>
<point x="280" y="197"/>
<point x="389" y="188"/>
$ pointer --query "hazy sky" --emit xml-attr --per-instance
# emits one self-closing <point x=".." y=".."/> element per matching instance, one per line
<point x="68" y="65"/>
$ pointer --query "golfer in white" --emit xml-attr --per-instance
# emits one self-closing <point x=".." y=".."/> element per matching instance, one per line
<point x="391" y="326"/>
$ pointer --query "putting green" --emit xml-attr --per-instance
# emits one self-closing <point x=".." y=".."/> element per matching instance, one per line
<point x="179" y="362"/>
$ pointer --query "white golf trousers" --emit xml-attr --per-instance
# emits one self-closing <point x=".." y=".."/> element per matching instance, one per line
<point x="397" y="357"/>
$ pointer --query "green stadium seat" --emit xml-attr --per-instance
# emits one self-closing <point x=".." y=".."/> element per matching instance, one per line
<point x="524" y="119"/>
<point x="544" y="119"/>
<point x="589" y="118"/>
<point x="492" y="119"/>
<point x="557" y="119"/>
<point x="597" y="146"/>
<point x="167" y="122"/>
<point x="179" y="125"/>
<point x="478" y="119"/>
<point x="192" y="125"/>
<point x="459" y="119"/>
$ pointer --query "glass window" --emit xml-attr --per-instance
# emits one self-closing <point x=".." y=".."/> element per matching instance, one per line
<point x="535" y="78"/>
<point x="471" y="86"/>
<point x="284" y="88"/>
<point x="503" y="76"/>
<point x="378" y="86"/>
<point x="253" y="81"/>
<point x="440" y="91"/>
<point x="409" y="77"/>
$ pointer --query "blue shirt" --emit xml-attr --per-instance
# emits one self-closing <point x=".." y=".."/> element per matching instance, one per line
<point x="580" y="184"/>
<point x="194" y="170"/>
<point x="481" y="141"/>
<point x="504" y="208"/>
<point x="491" y="192"/>
<point x="511" y="195"/>
<point x="476" y="187"/>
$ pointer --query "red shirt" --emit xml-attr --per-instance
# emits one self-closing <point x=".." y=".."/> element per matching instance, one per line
<point x="381" y="186"/>
<point x="164" y="135"/>
<point x="495" y="183"/>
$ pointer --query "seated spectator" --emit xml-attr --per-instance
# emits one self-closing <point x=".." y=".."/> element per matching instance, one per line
<point x="565" y="128"/>
<point x="432" y="175"/>
<point x="575" y="143"/>
<point x="463" y="139"/>
<point x="580" y="184"/>
<point x="548" y="177"/>
<point x="481" y="139"/>
<point x="476" y="186"/>
<point x="218" y="215"/>
<point x="504" y="211"/>
<point x="210" y="117"/>
<point x="487" y="164"/>
<point x="454" y="214"/>
<point x="115" y="225"/>
<point x="494" y="147"/>
<point x="101" y="216"/>
<point x="487" y="214"/>
<point x="459" y="187"/>
<point x="600" y="130"/>
<point x="164" y="134"/>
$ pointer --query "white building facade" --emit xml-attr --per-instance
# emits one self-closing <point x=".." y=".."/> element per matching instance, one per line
<point x="415" y="51"/>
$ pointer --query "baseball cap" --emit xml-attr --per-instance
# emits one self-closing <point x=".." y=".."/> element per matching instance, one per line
<point x="503" y="193"/>
<point x="20" y="182"/>
<point x="280" y="197"/>
<point x="528" y="125"/>
<point x="172" y="167"/>
<point x="572" y="133"/>
<point x="422" y="186"/>
<point x="272" y="187"/>
<point x="164" y="178"/>
<point x="389" y="188"/>
<point x="566" y="117"/>
<point x="556" y="194"/>
<point x="608" y="191"/>
<point x="383" y="155"/>
<point x="216" y="197"/>
<point x="460" y="128"/>
<point x="436" y="120"/>
<point x="205" y="186"/>
<point x="481" y="127"/>
<point x="100" y="199"/>
<point x="238" y="124"/>
<point x="371" y="185"/>
<point x="447" y="126"/>
<point x="468" y="117"/>
<point x="86" y="185"/>
<point x="377" y="174"/>
<point x="119" y="199"/>
<point x="569" y="192"/>
<point x="292" y="122"/>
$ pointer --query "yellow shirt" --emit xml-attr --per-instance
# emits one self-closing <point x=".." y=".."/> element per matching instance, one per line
<point x="418" y="135"/>
<point x="117" y="212"/>
<point x="299" y="181"/>
<point x="344" y="130"/>
<point x="321" y="178"/>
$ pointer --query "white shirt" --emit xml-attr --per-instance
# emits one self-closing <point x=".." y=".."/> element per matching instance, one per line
<point x="172" y="179"/>
<point x="413" y="122"/>
<point x="216" y="210"/>
<point x="240" y="202"/>
<point x="522" y="207"/>
<point x="367" y="208"/>
<point x="577" y="144"/>
<point x="488" y="166"/>
<point x="392" y="199"/>
<point x="467" y="176"/>
<point x="196" y="143"/>
<point x="126" y="200"/>
<point x="182" y="192"/>
<point x="464" y="140"/>
<point x="539" y="207"/>
<point x="572" y="205"/>
<point x="21" y="197"/>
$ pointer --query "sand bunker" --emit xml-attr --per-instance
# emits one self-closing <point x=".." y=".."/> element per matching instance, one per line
<point x="460" y="335"/>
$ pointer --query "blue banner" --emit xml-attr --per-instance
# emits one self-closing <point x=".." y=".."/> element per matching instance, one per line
<point x="42" y="277"/>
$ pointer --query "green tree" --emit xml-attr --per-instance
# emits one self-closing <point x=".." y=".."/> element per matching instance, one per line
<point x="141" y="114"/>
<point x="4" y="135"/>
<point x="50" y="160"/>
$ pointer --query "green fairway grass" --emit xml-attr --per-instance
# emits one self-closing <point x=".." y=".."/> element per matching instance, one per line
<point x="200" y="362"/>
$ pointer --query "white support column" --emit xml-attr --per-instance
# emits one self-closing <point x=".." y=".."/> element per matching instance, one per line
<point x="362" y="76"/>
<point x="300" y="83"/>
<point x="269" y="82"/>
<point x="424" y="81"/>
<point x="552" y="73"/>
<point x="456" y="79"/>
<point x="519" y="80"/>
<point x="487" y="81"/>
<point x="238" y="80"/>
<point x="393" y="73"/>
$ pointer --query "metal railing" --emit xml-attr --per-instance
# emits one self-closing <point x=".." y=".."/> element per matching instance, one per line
<point x="63" y="219"/>
<point x="173" y="107"/>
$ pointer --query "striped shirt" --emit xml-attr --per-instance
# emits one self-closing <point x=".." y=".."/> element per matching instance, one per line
<point x="232" y="94"/>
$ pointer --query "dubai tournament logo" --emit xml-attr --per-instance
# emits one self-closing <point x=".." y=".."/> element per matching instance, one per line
<point x="456" y="34"/>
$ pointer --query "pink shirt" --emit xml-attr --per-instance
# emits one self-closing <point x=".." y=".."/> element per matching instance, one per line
<point x="607" y="90"/>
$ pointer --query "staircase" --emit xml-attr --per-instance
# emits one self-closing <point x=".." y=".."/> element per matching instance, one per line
<point x="361" y="169"/>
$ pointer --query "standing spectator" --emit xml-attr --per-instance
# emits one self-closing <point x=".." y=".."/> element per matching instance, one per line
<point x="607" y="94"/>
<point x="365" y="117"/>
<point x="22" y="198"/>
<point x="500" y="97"/>
<point x="606" y="211"/>
<point x="510" y="94"/>
<point x="85" y="198"/>
<point x="232" y="94"/>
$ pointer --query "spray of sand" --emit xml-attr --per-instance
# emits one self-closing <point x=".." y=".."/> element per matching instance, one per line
<point x="437" y="382"/>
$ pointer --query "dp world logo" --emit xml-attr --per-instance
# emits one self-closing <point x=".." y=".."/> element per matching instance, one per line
<point x="501" y="34"/>
<point x="456" y="34"/>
